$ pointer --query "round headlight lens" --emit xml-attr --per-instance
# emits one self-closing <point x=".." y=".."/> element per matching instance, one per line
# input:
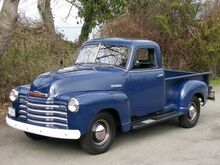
<point x="13" y="95"/>
<point x="73" y="105"/>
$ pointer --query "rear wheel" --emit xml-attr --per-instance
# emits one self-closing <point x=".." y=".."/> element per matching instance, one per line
<point x="100" y="135"/>
<point x="35" y="136"/>
<point x="191" y="118"/>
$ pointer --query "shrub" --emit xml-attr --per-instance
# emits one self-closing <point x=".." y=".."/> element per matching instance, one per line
<point x="31" y="51"/>
<point x="188" y="33"/>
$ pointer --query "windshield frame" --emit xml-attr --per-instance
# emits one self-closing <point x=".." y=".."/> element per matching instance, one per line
<point x="99" y="46"/>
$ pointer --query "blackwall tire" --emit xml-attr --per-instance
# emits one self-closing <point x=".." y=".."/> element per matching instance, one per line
<point x="191" y="118"/>
<point x="100" y="135"/>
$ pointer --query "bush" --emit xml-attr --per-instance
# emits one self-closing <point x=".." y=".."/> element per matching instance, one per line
<point x="188" y="33"/>
<point x="31" y="51"/>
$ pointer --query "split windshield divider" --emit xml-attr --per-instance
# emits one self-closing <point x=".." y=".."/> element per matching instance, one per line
<point x="97" y="53"/>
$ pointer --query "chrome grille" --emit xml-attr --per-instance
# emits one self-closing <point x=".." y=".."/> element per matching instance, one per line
<point x="52" y="114"/>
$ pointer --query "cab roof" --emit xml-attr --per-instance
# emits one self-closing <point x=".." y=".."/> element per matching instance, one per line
<point x="122" y="42"/>
<point x="132" y="43"/>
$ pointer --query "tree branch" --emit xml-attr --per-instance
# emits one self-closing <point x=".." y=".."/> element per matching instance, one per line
<point x="74" y="3"/>
<point x="69" y="12"/>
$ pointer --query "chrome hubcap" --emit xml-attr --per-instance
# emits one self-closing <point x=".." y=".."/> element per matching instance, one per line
<point x="192" y="111"/>
<point x="100" y="132"/>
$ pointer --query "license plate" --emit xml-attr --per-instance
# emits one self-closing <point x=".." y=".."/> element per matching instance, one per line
<point x="11" y="111"/>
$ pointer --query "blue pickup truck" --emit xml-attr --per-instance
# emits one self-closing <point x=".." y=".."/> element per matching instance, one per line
<point x="114" y="85"/>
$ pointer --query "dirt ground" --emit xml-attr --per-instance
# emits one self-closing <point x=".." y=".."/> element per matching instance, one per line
<point x="3" y="111"/>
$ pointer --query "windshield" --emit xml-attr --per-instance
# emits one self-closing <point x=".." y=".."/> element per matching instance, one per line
<point x="103" y="54"/>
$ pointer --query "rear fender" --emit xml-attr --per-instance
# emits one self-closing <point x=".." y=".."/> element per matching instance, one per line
<point x="190" y="89"/>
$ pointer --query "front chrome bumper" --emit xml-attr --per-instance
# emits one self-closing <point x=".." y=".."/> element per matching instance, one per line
<point x="44" y="131"/>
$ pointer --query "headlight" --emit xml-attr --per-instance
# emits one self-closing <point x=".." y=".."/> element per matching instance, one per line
<point x="13" y="95"/>
<point x="73" y="105"/>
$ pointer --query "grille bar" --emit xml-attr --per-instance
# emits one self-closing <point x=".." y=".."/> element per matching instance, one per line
<point x="22" y="106"/>
<point x="22" y="112"/>
<point x="43" y="113"/>
<point x="43" y="105"/>
<point x="46" y="117"/>
<point x="30" y="110"/>
<point x="47" y="123"/>
<point x="22" y="116"/>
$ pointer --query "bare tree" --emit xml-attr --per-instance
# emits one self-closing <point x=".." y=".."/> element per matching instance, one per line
<point x="8" y="17"/>
<point x="46" y="14"/>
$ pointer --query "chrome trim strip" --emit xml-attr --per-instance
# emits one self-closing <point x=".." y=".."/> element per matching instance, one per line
<point x="46" y="117"/>
<point x="22" y="106"/>
<point x="43" y="105"/>
<point x="47" y="111"/>
<point x="44" y="131"/>
<point x="22" y="111"/>
<point x="41" y="122"/>
<point x="22" y="116"/>
<point x="160" y="75"/>
<point x="116" y="86"/>
<point x="145" y="70"/>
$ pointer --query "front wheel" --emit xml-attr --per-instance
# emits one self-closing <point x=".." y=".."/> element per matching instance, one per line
<point x="100" y="135"/>
<point x="191" y="118"/>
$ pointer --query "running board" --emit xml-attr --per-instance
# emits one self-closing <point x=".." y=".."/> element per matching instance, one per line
<point x="154" y="120"/>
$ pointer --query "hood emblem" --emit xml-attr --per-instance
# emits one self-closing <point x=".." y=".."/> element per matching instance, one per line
<point x="37" y="94"/>
<point x="116" y="86"/>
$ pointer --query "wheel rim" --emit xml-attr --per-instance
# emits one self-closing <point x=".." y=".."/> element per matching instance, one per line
<point x="100" y="132"/>
<point x="192" y="111"/>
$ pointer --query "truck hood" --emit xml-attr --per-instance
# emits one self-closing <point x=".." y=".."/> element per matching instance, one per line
<point x="80" y="79"/>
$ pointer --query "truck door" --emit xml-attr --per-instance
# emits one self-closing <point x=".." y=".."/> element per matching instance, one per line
<point x="146" y="83"/>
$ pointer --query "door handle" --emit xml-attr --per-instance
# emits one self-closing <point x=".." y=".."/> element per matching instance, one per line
<point x="160" y="75"/>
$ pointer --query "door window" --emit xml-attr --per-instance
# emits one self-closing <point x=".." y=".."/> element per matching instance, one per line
<point x="144" y="59"/>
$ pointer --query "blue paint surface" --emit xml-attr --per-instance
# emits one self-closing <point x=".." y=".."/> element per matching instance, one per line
<point x="126" y="92"/>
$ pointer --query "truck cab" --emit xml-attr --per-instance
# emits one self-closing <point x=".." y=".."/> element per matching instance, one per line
<point x="114" y="83"/>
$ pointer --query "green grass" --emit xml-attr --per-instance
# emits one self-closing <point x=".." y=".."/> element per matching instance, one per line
<point x="216" y="81"/>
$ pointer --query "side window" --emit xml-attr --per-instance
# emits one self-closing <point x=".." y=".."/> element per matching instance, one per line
<point x="144" y="58"/>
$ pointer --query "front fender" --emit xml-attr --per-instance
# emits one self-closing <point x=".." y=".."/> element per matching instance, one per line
<point x="92" y="103"/>
<point x="188" y="90"/>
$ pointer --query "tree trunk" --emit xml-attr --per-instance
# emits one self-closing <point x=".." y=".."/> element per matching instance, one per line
<point x="85" y="31"/>
<point x="46" y="15"/>
<point x="8" y="17"/>
<point x="87" y="27"/>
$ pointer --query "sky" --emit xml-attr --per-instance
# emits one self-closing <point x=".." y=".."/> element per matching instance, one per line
<point x="60" y="9"/>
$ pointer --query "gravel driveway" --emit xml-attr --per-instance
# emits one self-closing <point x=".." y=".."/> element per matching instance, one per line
<point x="165" y="143"/>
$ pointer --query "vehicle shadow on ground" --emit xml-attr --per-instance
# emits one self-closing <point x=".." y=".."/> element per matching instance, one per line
<point x="65" y="147"/>
<point x="147" y="132"/>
